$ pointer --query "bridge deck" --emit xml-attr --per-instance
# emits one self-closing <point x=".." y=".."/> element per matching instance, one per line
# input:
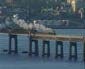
<point x="57" y="37"/>
<point x="45" y="36"/>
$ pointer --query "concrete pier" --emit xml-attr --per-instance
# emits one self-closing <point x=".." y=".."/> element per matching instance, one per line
<point x="74" y="55"/>
<point x="46" y="43"/>
<point x="59" y="43"/>
<point x="10" y="44"/>
<point x="84" y="51"/>
<point x="31" y="41"/>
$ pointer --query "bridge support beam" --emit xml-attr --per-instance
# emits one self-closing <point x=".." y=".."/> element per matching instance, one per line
<point x="73" y="44"/>
<point x="36" y="47"/>
<point x="59" y="43"/>
<point x="46" y="43"/>
<point x="10" y="44"/>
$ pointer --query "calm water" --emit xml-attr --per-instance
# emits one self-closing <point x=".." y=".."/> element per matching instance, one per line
<point x="23" y="61"/>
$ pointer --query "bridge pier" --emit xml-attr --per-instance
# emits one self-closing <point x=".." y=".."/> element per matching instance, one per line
<point x="84" y="51"/>
<point x="10" y="44"/>
<point x="59" y="43"/>
<point x="46" y="43"/>
<point x="73" y="44"/>
<point x="31" y="41"/>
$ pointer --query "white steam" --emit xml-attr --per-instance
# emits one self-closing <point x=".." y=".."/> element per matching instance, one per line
<point x="22" y="23"/>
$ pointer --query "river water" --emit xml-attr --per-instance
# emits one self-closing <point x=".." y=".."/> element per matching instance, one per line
<point x="23" y="61"/>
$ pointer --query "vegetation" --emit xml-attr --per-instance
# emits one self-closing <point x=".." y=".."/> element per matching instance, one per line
<point x="42" y="9"/>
